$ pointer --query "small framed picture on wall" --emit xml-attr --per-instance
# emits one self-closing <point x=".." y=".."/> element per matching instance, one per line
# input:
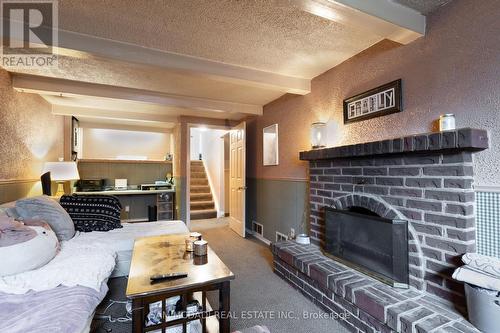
<point x="270" y="145"/>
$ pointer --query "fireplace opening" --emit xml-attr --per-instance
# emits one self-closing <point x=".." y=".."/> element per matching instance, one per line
<point x="362" y="210"/>
<point x="369" y="243"/>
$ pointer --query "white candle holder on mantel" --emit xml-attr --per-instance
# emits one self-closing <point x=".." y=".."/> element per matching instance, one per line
<point x="318" y="135"/>
<point x="303" y="239"/>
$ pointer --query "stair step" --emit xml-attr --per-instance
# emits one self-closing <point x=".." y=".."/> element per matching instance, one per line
<point x="198" y="175"/>
<point x="197" y="168"/>
<point x="201" y="197"/>
<point x="200" y="189"/>
<point x="203" y="214"/>
<point x="199" y="181"/>
<point x="202" y="205"/>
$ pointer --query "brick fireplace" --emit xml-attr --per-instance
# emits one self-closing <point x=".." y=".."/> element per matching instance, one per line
<point x="425" y="179"/>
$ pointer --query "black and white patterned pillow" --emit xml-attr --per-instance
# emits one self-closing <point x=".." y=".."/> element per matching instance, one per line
<point x="93" y="212"/>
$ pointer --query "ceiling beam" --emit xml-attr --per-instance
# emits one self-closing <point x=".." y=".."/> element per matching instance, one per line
<point x="380" y="17"/>
<point x="85" y="122"/>
<point x="54" y="86"/>
<point x="74" y="111"/>
<point x="220" y="71"/>
<point x="79" y="45"/>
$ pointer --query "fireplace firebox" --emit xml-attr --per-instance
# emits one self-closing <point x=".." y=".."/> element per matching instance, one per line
<point x="369" y="243"/>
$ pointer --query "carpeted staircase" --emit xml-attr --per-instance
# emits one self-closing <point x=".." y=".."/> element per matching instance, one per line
<point x="202" y="204"/>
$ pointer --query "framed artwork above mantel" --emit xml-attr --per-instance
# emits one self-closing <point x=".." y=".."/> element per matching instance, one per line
<point x="380" y="101"/>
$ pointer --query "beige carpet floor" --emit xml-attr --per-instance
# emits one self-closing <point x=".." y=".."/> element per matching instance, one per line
<point x="201" y="225"/>
<point x="258" y="296"/>
<point x="257" y="292"/>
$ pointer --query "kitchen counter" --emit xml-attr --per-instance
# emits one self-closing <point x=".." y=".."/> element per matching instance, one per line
<point x="126" y="192"/>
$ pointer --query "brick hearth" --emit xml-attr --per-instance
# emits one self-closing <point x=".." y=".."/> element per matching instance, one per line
<point x="365" y="305"/>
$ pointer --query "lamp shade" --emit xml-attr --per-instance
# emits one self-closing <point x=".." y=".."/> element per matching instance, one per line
<point x="62" y="171"/>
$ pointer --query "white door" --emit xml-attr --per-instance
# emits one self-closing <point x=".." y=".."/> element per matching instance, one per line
<point x="237" y="149"/>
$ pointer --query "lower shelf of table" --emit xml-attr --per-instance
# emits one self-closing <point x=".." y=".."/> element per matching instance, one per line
<point x="212" y="326"/>
<point x="193" y="326"/>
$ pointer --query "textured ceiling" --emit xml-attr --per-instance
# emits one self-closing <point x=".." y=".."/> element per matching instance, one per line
<point x="267" y="35"/>
<point x="423" y="6"/>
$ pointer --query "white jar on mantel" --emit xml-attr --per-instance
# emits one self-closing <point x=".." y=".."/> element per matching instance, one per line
<point x="447" y="122"/>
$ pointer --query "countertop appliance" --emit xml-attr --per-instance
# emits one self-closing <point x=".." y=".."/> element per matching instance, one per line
<point x="121" y="184"/>
<point x="90" y="185"/>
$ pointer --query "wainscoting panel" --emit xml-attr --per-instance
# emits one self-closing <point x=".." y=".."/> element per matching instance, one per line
<point x="136" y="173"/>
<point x="488" y="223"/>
<point x="277" y="204"/>
<point x="180" y="198"/>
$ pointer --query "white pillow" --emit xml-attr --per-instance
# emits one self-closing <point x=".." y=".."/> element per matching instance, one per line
<point x="24" y="247"/>
<point x="49" y="210"/>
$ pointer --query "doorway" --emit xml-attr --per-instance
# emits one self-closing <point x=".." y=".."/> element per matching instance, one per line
<point x="216" y="177"/>
<point x="207" y="181"/>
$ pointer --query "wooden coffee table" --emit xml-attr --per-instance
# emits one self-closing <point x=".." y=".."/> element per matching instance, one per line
<point x="165" y="254"/>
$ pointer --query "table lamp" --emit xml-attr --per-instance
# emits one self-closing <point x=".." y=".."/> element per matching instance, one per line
<point x="61" y="172"/>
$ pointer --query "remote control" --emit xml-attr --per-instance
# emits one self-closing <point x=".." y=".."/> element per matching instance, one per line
<point x="167" y="276"/>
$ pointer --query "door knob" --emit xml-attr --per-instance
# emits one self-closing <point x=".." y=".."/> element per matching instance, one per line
<point x="242" y="188"/>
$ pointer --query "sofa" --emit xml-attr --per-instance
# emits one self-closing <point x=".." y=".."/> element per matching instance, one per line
<point x="121" y="241"/>
<point x="85" y="263"/>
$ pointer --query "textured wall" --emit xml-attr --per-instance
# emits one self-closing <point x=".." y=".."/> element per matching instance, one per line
<point x="455" y="68"/>
<point x="29" y="133"/>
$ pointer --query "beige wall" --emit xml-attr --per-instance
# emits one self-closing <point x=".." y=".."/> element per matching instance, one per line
<point x="29" y="136"/>
<point x="455" y="68"/>
<point x="104" y="143"/>
<point x="29" y="133"/>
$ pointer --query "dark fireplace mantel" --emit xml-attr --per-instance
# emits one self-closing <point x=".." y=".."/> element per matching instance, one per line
<point x="464" y="139"/>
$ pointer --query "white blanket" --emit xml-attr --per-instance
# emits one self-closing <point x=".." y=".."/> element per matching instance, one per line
<point x="479" y="270"/>
<point x="87" y="265"/>
<point x="479" y="262"/>
<point x="470" y="275"/>
<point x="123" y="239"/>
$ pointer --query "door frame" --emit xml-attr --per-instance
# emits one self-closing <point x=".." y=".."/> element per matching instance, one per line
<point x="188" y="164"/>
